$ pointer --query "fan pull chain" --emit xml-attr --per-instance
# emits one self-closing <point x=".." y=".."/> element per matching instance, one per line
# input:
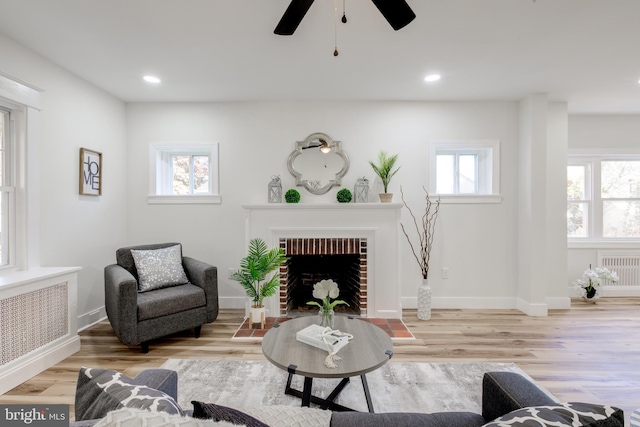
<point x="335" y="27"/>
<point x="344" y="11"/>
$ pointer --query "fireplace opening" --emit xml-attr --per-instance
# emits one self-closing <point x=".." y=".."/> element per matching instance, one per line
<point x="304" y="271"/>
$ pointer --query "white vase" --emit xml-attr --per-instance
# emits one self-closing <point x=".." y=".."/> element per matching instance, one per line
<point x="424" y="300"/>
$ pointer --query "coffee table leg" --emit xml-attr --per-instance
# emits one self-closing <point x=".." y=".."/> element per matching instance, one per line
<point x="367" y="395"/>
<point x="306" y="391"/>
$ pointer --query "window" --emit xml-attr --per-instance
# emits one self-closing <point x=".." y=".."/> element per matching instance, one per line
<point x="603" y="198"/>
<point x="7" y="189"/>
<point x="184" y="173"/>
<point x="465" y="168"/>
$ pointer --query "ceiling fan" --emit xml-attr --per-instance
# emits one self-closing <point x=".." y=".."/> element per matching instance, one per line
<point x="396" y="12"/>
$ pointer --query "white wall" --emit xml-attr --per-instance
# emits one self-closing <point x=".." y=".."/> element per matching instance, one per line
<point x="75" y="230"/>
<point x="599" y="134"/>
<point x="477" y="242"/>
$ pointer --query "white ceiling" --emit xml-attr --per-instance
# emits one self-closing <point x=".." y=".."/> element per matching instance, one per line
<point x="585" y="52"/>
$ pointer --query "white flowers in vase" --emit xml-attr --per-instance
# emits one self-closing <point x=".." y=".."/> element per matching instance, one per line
<point x="589" y="286"/>
<point x="326" y="290"/>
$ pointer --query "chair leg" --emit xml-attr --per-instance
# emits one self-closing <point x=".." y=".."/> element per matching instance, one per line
<point x="145" y="347"/>
<point x="197" y="331"/>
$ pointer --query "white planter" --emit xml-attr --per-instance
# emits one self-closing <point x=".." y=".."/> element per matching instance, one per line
<point x="424" y="300"/>
<point x="257" y="315"/>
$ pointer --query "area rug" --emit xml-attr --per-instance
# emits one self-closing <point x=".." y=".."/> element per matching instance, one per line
<point x="395" y="328"/>
<point x="397" y="386"/>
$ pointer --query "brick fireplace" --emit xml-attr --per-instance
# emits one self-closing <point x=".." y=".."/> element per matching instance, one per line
<point x="343" y="260"/>
<point x="369" y="231"/>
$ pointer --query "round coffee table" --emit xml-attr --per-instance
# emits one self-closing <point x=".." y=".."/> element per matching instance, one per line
<point x="369" y="349"/>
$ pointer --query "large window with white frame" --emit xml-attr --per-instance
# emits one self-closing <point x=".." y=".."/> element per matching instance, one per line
<point x="464" y="168"/>
<point x="184" y="173"/>
<point x="603" y="198"/>
<point x="7" y="189"/>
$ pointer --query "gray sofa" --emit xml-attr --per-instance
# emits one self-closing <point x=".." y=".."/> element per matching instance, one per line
<point x="503" y="394"/>
<point x="139" y="317"/>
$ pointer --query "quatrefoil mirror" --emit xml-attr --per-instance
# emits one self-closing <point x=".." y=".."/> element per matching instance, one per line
<point x="318" y="163"/>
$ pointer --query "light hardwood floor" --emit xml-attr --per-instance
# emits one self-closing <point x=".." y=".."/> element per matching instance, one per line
<point x="589" y="353"/>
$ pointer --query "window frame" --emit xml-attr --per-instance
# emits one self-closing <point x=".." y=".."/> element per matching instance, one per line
<point x="161" y="172"/>
<point x="487" y="169"/>
<point x="596" y="207"/>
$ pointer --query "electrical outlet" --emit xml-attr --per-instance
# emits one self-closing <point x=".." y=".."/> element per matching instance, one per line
<point x="445" y="272"/>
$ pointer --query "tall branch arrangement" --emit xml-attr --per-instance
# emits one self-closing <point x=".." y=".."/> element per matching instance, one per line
<point x="425" y="230"/>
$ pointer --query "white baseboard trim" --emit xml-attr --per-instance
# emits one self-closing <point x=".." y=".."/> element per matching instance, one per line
<point x="559" y="303"/>
<point x="232" y="302"/>
<point x="533" y="309"/>
<point x="28" y="366"/>
<point x="89" y="319"/>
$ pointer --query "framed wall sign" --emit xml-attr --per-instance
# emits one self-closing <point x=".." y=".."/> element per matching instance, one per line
<point x="90" y="172"/>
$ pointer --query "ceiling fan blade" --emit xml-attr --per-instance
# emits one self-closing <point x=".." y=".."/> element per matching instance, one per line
<point x="396" y="12"/>
<point x="292" y="17"/>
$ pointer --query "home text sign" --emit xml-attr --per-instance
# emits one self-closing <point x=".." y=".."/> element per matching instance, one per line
<point x="90" y="172"/>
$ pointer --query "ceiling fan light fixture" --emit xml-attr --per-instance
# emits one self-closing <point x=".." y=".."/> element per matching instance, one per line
<point x="324" y="147"/>
<point x="432" y="78"/>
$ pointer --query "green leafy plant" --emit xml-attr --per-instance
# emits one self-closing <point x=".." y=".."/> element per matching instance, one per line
<point x="254" y="268"/>
<point x="384" y="168"/>
<point x="292" y="196"/>
<point x="344" y="195"/>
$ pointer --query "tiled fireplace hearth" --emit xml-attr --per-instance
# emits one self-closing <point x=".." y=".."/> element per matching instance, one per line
<point x="356" y="245"/>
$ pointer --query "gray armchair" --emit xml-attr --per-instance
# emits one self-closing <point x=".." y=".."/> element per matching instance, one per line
<point x="139" y="317"/>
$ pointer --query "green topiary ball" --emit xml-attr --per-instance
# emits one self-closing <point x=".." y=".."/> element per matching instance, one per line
<point x="344" y="195"/>
<point x="292" y="196"/>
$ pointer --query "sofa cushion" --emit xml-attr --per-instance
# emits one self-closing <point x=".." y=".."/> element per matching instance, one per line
<point x="100" y="391"/>
<point x="175" y="299"/>
<point x="159" y="268"/>
<point x="211" y="411"/>
<point x="406" y="419"/>
<point x="563" y="414"/>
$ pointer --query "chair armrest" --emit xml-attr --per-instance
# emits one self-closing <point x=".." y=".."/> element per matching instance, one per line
<point x="205" y="276"/>
<point x="164" y="380"/>
<point x="503" y="392"/>
<point x="121" y="303"/>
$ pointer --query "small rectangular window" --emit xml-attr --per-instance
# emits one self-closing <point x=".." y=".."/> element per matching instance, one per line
<point x="465" y="168"/>
<point x="578" y="200"/>
<point x="184" y="173"/>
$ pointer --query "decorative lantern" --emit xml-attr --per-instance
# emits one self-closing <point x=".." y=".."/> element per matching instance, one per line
<point x="275" y="190"/>
<point x="361" y="190"/>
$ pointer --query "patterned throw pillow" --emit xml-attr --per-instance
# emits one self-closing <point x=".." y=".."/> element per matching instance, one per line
<point x="564" y="414"/>
<point x="102" y="390"/>
<point x="159" y="268"/>
<point x="130" y="417"/>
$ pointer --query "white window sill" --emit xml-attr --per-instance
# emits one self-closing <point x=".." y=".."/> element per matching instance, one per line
<point x="603" y="244"/>
<point x="467" y="198"/>
<point x="187" y="199"/>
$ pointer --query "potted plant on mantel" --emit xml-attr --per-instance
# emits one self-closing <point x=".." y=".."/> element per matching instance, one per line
<point x="252" y="275"/>
<point x="425" y="232"/>
<point x="384" y="169"/>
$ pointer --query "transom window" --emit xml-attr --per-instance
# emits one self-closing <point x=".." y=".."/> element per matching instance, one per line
<point x="184" y="173"/>
<point x="603" y="198"/>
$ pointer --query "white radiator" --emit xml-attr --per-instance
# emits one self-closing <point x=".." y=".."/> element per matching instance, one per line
<point x="626" y="264"/>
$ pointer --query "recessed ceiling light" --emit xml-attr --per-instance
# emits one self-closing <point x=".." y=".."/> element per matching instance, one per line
<point x="152" y="79"/>
<point x="432" y="78"/>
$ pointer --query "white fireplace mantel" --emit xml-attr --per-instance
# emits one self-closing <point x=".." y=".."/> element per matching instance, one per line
<point x="379" y="223"/>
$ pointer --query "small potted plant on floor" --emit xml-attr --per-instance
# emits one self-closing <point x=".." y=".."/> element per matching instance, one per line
<point x="252" y="275"/>
<point x="384" y="169"/>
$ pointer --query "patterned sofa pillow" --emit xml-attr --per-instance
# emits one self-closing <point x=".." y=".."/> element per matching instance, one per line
<point x="102" y="390"/>
<point x="159" y="268"/>
<point x="564" y="414"/>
